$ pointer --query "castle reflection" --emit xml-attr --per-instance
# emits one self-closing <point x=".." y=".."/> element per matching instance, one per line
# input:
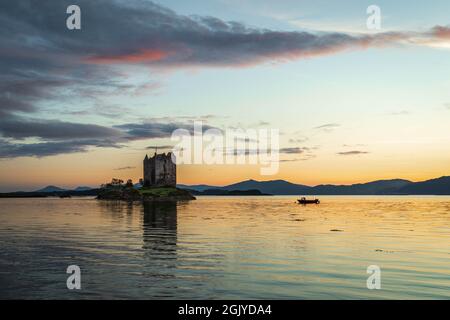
<point x="160" y="231"/>
<point x="158" y="222"/>
<point x="160" y="215"/>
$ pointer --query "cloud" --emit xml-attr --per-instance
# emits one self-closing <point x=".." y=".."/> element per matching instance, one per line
<point x="146" y="55"/>
<point x="60" y="137"/>
<point x="142" y="32"/>
<point x="19" y="95"/>
<point x="352" y="153"/>
<point x="328" y="127"/>
<point x="150" y="130"/>
<point x="137" y="131"/>
<point x="44" y="149"/>
<point x="441" y="32"/>
<point x="180" y="118"/>
<point x="247" y="151"/>
<point x="438" y="36"/>
<point x="168" y="39"/>
<point x="354" y="145"/>
<point x="124" y="168"/>
<point x="244" y="152"/>
<point x="42" y="61"/>
<point x="21" y="128"/>
<point x="304" y="158"/>
<point x="160" y="147"/>
<point x="305" y="152"/>
<point x="298" y="140"/>
<point x="295" y="150"/>
<point x="39" y="53"/>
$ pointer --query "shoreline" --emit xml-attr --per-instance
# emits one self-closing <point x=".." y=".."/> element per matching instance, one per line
<point x="44" y="196"/>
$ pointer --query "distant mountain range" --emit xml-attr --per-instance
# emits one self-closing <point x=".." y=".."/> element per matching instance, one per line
<point x="439" y="186"/>
<point x="221" y="192"/>
<point x="50" y="189"/>
<point x="58" y="189"/>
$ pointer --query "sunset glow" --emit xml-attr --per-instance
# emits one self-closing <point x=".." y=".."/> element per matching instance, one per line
<point x="351" y="104"/>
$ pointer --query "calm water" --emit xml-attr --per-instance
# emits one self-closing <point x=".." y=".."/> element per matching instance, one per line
<point x="225" y="248"/>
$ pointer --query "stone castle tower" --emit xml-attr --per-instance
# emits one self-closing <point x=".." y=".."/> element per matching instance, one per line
<point x="160" y="171"/>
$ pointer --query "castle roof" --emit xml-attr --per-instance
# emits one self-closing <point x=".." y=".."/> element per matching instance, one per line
<point x="159" y="156"/>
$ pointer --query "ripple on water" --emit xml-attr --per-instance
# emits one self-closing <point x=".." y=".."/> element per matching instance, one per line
<point x="227" y="248"/>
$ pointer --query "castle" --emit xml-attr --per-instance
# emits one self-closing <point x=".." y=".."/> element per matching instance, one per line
<point x="160" y="170"/>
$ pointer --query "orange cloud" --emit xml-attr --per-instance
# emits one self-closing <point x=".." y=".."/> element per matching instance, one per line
<point x="146" y="55"/>
<point x="441" y="32"/>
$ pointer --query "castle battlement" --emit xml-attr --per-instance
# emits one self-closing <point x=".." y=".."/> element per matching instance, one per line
<point x="160" y="170"/>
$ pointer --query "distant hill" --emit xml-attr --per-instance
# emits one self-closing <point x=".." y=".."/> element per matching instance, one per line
<point x="282" y="187"/>
<point x="58" y="189"/>
<point x="45" y="194"/>
<point x="197" y="187"/>
<point x="271" y="187"/>
<point x="370" y="188"/>
<point x="83" y="188"/>
<point x="222" y="192"/>
<point x="267" y="187"/>
<point x="440" y="186"/>
<point x="50" y="189"/>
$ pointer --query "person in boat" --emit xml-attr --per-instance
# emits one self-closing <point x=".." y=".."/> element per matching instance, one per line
<point x="303" y="200"/>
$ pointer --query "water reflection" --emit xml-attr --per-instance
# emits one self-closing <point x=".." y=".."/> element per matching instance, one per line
<point x="159" y="225"/>
<point x="225" y="248"/>
<point x="116" y="209"/>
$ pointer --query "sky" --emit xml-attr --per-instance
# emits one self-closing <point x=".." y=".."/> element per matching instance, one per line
<point x="352" y="104"/>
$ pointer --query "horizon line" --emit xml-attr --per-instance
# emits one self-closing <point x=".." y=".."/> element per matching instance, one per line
<point x="225" y="185"/>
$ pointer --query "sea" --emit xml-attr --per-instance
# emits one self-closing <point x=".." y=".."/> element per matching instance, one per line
<point x="261" y="247"/>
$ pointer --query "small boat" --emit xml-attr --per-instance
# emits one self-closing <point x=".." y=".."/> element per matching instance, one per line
<point x="305" y="201"/>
